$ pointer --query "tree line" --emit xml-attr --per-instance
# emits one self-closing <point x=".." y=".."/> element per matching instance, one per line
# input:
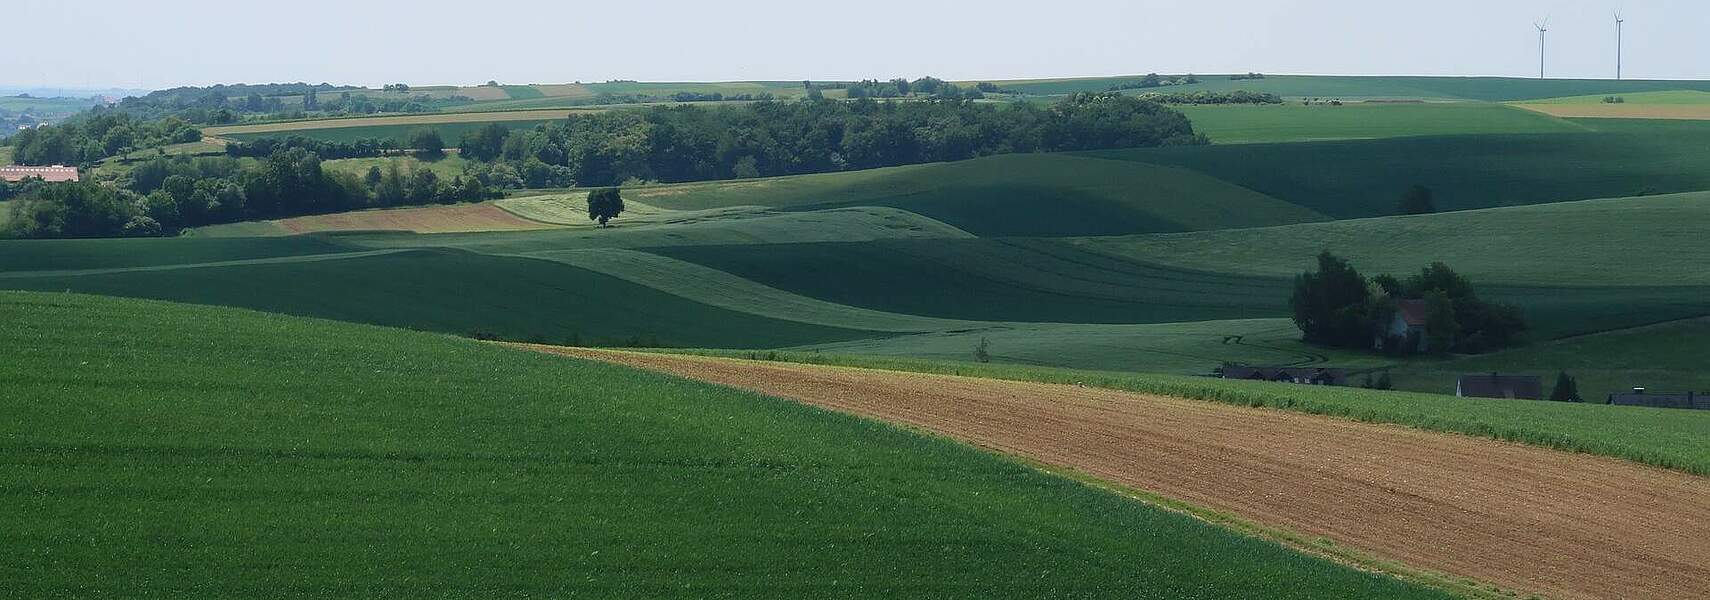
<point x="1209" y="97"/>
<point x="768" y="138"/>
<point x="1337" y="306"/>
<point x="167" y="194"/>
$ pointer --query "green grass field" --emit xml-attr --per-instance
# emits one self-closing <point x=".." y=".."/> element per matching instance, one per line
<point x="1653" y="240"/>
<point x="1293" y="122"/>
<point x="1675" y="439"/>
<point x="451" y="165"/>
<point x="991" y="280"/>
<point x="361" y="461"/>
<point x="1010" y="195"/>
<point x="1365" y="178"/>
<point x="455" y="292"/>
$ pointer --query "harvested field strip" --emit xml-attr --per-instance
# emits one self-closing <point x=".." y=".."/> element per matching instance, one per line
<point x="1692" y="112"/>
<point x="422" y="119"/>
<point x="459" y="218"/>
<point x="1554" y="523"/>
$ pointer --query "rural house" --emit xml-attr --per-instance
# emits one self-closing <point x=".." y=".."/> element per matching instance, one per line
<point x="1494" y="385"/>
<point x="1301" y="375"/>
<point x="1640" y="397"/>
<point x="52" y="174"/>
<point x="1406" y="326"/>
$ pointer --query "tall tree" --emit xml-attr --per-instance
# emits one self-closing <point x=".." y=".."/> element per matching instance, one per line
<point x="604" y="204"/>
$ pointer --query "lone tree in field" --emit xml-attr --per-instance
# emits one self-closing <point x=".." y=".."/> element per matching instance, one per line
<point x="1417" y="201"/>
<point x="1567" y="389"/>
<point x="604" y="204"/>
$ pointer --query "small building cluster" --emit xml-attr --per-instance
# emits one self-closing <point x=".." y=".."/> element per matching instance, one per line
<point x="1497" y="385"/>
<point x="1300" y="375"/>
<point x="53" y="174"/>
<point x="1642" y="397"/>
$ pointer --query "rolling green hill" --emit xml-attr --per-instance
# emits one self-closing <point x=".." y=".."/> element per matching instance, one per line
<point x="455" y="292"/>
<point x="1293" y="122"/>
<point x="1488" y="89"/>
<point x="1008" y="195"/>
<point x="1365" y="178"/>
<point x="1653" y="240"/>
<point x="992" y="280"/>
<point x="195" y="452"/>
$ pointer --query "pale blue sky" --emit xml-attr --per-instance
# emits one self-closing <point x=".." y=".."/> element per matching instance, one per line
<point x="179" y="42"/>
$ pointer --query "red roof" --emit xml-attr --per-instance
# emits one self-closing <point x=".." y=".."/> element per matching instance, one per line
<point x="53" y="173"/>
<point x="1412" y="312"/>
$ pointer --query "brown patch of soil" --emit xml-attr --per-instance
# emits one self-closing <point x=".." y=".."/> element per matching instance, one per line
<point x="1688" y="112"/>
<point x="1524" y="518"/>
<point x="422" y="219"/>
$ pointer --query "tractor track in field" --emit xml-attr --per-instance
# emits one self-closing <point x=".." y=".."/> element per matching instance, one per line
<point x="1520" y="517"/>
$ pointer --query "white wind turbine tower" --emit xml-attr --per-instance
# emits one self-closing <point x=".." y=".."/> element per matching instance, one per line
<point x="1542" y="27"/>
<point x="1618" y="22"/>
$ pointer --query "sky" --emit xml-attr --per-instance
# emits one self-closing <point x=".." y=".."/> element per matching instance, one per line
<point x="165" y="43"/>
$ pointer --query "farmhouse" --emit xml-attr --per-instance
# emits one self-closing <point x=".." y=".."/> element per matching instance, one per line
<point x="1301" y="375"/>
<point x="1406" y="326"/>
<point x="54" y="173"/>
<point x="1494" y="385"/>
<point x="1640" y="397"/>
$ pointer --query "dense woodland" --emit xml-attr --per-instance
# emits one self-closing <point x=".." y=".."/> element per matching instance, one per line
<point x="689" y="143"/>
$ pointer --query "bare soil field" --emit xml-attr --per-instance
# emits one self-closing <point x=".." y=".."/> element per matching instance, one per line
<point x="1523" y="518"/>
<point x="1686" y="112"/>
<point x="418" y="119"/>
<point x="456" y="218"/>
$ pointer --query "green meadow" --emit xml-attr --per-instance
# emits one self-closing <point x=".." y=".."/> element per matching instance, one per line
<point x="1295" y="122"/>
<point x="301" y="446"/>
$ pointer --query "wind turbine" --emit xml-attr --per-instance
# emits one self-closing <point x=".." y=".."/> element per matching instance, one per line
<point x="1618" y="22"/>
<point x="1542" y="27"/>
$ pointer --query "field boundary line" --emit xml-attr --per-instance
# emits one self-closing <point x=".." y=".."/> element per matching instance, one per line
<point x="276" y="260"/>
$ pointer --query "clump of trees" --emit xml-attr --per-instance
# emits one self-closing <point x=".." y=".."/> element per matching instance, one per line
<point x="88" y="138"/>
<point x="1337" y="306"/>
<point x="767" y="138"/>
<point x="1240" y="77"/>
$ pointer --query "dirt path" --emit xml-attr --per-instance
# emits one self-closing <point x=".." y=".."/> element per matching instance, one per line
<point x="1540" y="521"/>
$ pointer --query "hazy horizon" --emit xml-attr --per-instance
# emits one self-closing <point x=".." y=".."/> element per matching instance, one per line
<point x="198" y="42"/>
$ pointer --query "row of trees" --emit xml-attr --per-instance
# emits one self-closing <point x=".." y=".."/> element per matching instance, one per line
<point x="1337" y="306"/>
<point x="691" y="143"/>
<point x="1152" y="80"/>
<point x="1209" y="97"/>
<point x="86" y="139"/>
<point x="164" y="195"/>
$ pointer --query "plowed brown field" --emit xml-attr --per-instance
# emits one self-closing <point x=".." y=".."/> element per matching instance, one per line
<point x="1524" y="518"/>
